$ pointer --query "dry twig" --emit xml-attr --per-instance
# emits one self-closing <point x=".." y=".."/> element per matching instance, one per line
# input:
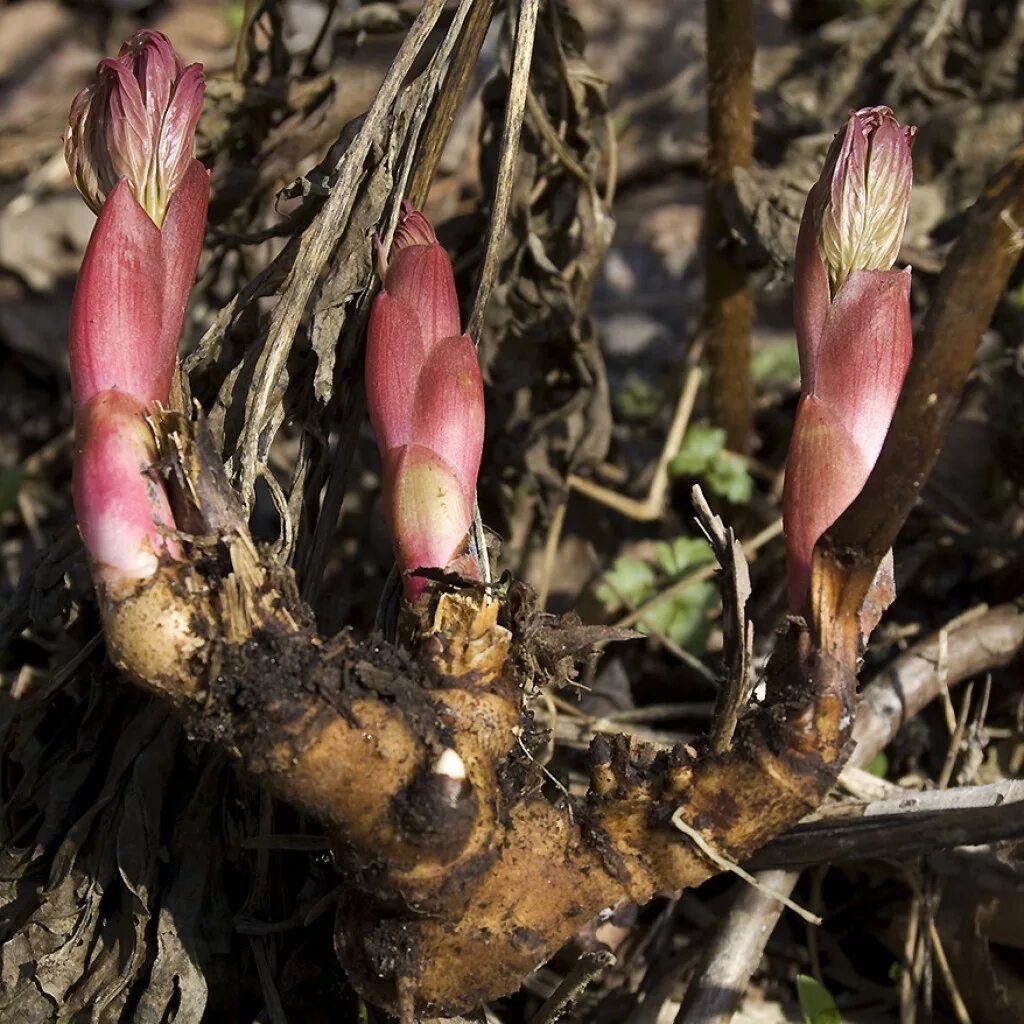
<point x="738" y="630"/>
<point x="910" y="825"/>
<point x="515" y="109"/>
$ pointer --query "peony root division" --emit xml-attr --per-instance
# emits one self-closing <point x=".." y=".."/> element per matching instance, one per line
<point x="461" y="875"/>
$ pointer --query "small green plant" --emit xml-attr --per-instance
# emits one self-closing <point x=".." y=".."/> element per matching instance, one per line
<point x="816" y="1005"/>
<point x="702" y="455"/>
<point x="638" y="400"/>
<point x="683" y="617"/>
<point x="234" y="17"/>
<point x="776" y="361"/>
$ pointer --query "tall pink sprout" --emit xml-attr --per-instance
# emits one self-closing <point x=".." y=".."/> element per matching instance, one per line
<point x="426" y="402"/>
<point x="130" y="149"/>
<point x="852" y="316"/>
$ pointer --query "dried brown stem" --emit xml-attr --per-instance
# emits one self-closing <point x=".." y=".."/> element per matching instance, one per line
<point x="515" y="111"/>
<point x="972" y="644"/>
<point x="907" y="826"/>
<point x="442" y="113"/>
<point x="581" y="974"/>
<point x="728" y="299"/>
<point x="738" y="631"/>
<point x="737" y="945"/>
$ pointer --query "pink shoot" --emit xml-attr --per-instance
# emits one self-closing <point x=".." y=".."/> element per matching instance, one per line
<point x="130" y="148"/>
<point x="426" y="402"/>
<point x="852" y="316"/>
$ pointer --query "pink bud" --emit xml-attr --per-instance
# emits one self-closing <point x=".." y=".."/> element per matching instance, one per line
<point x="852" y="318"/>
<point x="854" y="218"/>
<point x="181" y="245"/>
<point x="425" y="397"/>
<point x="121" y="505"/>
<point x="413" y="229"/>
<point x="116" y="314"/>
<point x="448" y="410"/>
<point x="394" y="360"/>
<point x="419" y="274"/>
<point x="132" y="292"/>
<point x="129" y="146"/>
<point x="863" y="197"/>
<point x="865" y="351"/>
<point x="136" y="122"/>
<point x="810" y="298"/>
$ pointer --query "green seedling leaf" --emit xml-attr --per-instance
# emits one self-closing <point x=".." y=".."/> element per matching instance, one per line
<point x="816" y="1005"/>
<point x="878" y="765"/>
<point x="728" y="477"/>
<point x="683" y="618"/>
<point x="701" y="454"/>
<point x="638" y="400"/>
<point x="777" y="361"/>
<point x="677" y="557"/>
<point x="698" y="450"/>
<point x="628" y="580"/>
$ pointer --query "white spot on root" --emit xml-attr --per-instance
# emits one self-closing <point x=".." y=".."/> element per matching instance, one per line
<point x="450" y="765"/>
